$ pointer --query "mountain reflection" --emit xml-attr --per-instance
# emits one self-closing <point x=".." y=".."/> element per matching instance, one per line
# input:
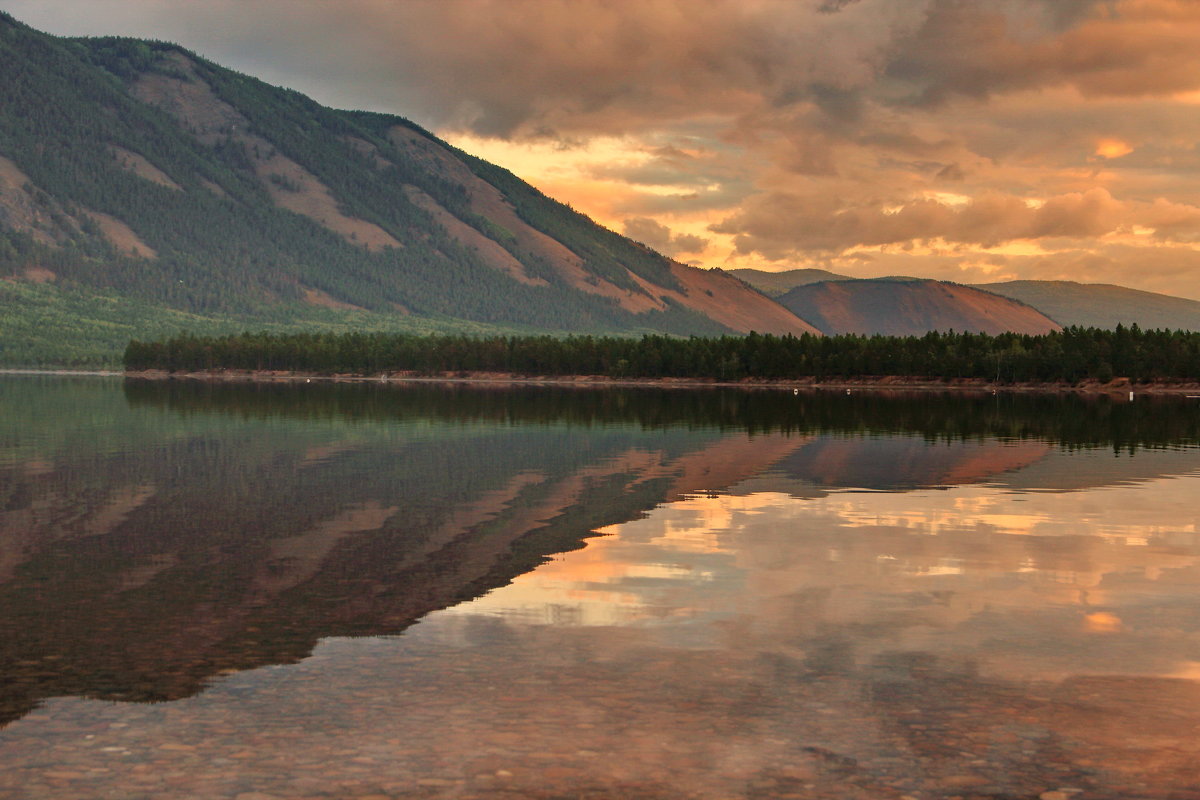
<point x="156" y="535"/>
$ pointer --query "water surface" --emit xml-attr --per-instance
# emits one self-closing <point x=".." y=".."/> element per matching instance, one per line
<point x="411" y="591"/>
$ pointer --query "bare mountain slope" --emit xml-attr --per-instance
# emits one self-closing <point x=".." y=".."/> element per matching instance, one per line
<point x="910" y="308"/>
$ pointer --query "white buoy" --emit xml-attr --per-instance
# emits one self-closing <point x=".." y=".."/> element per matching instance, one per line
<point x="1131" y="396"/>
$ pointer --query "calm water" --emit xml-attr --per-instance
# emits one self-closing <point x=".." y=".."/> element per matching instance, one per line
<point x="380" y="591"/>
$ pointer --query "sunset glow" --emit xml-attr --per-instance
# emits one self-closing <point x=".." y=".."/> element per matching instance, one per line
<point x="1112" y="148"/>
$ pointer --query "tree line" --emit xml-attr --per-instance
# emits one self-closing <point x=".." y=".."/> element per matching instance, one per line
<point x="1070" y="355"/>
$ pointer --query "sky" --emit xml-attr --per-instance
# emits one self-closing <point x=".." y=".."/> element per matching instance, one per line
<point x="966" y="140"/>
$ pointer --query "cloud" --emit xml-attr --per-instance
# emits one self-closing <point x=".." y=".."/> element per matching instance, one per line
<point x="780" y="225"/>
<point x="659" y="237"/>
<point x="588" y="66"/>
<point x="568" y="65"/>
<point x="978" y="49"/>
<point x="833" y="6"/>
<point x="572" y="66"/>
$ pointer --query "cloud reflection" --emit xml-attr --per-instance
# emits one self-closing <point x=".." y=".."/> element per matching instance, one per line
<point x="1020" y="581"/>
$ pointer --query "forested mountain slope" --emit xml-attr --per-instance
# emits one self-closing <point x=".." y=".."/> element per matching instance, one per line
<point x="1102" y="305"/>
<point x="911" y="307"/>
<point x="138" y="173"/>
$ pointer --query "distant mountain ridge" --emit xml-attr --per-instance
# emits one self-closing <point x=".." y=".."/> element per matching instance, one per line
<point x="910" y="307"/>
<point x="1102" y="305"/>
<point x="138" y="173"/>
<point x="1087" y="305"/>
<point x="773" y="284"/>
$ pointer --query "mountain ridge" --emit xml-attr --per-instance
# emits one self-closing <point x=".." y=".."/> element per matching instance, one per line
<point x="1102" y="305"/>
<point x="911" y="307"/>
<point x="773" y="284"/>
<point x="1069" y="303"/>
<point x="142" y="170"/>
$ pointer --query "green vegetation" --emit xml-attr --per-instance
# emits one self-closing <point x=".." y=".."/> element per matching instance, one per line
<point x="44" y="325"/>
<point x="1071" y="355"/>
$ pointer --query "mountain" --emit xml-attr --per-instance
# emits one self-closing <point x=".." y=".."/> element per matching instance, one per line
<point x="1088" y="305"/>
<point x="144" y="189"/>
<point x="910" y="307"/>
<point x="773" y="284"/>
<point x="1101" y="305"/>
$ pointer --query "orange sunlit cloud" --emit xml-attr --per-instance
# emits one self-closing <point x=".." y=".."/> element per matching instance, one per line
<point x="1112" y="148"/>
<point x="1102" y="622"/>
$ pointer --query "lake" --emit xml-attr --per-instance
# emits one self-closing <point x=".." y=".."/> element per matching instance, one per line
<point x="319" y="590"/>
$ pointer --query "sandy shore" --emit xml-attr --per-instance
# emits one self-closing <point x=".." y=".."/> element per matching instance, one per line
<point x="1119" y="387"/>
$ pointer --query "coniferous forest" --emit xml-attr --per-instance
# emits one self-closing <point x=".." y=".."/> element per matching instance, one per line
<point x="1070" y="356"/>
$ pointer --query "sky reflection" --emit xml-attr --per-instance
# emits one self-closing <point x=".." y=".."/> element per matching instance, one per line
<point x="1029" y="586"/>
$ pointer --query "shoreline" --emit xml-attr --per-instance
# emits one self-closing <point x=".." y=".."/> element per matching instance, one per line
<point x="91" y="373"/>
<point x="1119" y="387"/>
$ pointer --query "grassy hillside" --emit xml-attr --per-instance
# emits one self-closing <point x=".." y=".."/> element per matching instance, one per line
<point x="44" y="325"/>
